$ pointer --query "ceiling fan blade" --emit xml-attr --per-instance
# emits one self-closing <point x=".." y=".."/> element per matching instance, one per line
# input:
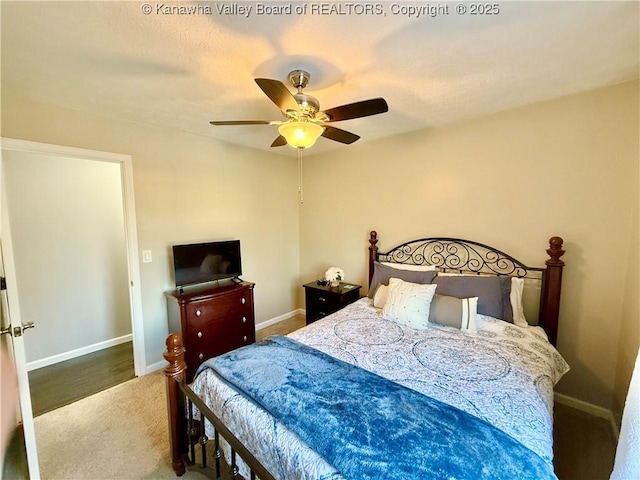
<point x="364" y="108"/>
<point x="278" y="93"/>
<point x="243" y="122"/>
<point x="339" y="135"/>
<point x="279" y="142"/>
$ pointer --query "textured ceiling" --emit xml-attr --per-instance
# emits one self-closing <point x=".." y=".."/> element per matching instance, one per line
<point x="183" y="70"/>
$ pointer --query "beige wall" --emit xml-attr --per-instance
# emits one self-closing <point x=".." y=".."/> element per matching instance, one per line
<point x="187" y="188"/>
<point x="629" y="326"/>
<point x="567" y="167"/>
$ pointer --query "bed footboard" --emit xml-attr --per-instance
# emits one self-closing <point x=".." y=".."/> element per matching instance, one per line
<point x="187" y="439"/>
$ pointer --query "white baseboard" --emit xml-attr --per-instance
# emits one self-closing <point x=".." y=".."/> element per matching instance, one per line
<point x="589" y="408"/>
<point x="156" y="366"/>
<point x="285" y="316"/>
<point x="78" y="352"/>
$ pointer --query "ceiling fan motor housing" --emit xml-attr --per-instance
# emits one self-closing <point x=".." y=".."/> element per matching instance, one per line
<point x="308" y="105"/>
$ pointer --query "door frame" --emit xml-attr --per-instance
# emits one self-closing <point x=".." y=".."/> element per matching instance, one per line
<point x="131" y="234"/>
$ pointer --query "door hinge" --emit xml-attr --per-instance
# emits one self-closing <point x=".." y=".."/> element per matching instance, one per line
<point x="3" y="283"/>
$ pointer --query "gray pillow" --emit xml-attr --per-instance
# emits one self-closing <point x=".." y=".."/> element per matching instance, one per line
<point x="453" y="312"/>
<point x="382" y="274"/>
<point x="493" y="293"/>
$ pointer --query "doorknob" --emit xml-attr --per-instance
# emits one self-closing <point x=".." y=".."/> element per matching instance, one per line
<point x="17" y="331"/>
<point x="5" y="331"/>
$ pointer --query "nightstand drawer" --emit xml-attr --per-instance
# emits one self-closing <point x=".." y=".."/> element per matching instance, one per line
<point x="321" y="300"/>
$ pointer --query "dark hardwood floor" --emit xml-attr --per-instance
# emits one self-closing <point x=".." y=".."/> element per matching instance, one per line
<point x="66" y="382"/>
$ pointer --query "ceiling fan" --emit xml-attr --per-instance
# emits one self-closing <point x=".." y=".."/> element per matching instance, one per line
<point x="304" y="121"/>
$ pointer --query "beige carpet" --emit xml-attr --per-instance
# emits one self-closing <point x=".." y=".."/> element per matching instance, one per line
<point x="120" y="433"/>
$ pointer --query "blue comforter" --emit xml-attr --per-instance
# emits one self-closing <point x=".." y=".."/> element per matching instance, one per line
<point x="369" y="427"/>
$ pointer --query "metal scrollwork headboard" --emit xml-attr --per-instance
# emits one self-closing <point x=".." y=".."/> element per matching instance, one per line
<point x="465" y="256"/>
<point x="458" y="255"/>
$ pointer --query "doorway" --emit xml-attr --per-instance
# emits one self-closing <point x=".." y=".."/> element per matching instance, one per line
<point x="75" y="250"/>
<point x="11" y="149"/>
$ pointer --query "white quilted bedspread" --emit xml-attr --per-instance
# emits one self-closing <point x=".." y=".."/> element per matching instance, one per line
<point x="503" y="374"/>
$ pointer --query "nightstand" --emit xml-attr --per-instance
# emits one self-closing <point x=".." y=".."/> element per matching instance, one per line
<point x="321" y="300"/>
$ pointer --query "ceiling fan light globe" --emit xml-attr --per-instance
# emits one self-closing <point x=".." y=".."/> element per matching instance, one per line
<point x="300" y="134"/>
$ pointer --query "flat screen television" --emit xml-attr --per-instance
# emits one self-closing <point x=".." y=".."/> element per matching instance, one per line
<point x="206" y="262"/>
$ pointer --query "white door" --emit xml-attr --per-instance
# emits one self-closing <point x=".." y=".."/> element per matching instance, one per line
<point x="13" y="329"/>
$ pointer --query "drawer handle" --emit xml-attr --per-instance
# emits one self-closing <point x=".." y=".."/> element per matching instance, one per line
<point x="322" y="314"/>
<point x="199" y="334"/>
<point x="200" y="356"/>
<point x="244" y="319"/>
<point x="198" y="313"/>
<point x="243" y="300"/>
<point x="245" y="339"/>
<point x="322" y="299"/>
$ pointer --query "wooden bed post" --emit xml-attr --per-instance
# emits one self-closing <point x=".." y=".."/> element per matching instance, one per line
<point x="551" y="286"/>
<point x="373" y="253"/>
<point x="175" y="372"/>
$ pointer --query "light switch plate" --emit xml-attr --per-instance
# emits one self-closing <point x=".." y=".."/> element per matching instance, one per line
<point x="147" y="257"/>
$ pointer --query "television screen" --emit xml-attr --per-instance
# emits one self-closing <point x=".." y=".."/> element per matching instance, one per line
<point x="206" y="262"/>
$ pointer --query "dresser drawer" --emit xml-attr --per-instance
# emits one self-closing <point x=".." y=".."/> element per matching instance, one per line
<point x="203" y="345"/>
<point x="224" y="306"/>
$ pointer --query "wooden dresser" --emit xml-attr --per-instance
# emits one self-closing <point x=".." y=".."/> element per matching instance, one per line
<point x="212" y="321"/>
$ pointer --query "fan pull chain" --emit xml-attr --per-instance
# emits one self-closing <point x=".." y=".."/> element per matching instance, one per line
<point x="300" y="174"/>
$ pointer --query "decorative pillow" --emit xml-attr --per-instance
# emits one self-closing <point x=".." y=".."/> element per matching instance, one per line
<point x="454" y="312"/>
<point x="408" y="303"/>
<point x="515" y="296"/>
<point x="380" y="297"/>
<point x="408" y="266"/>
<point x="382" y="274"/>
<point x="494" y="293"/>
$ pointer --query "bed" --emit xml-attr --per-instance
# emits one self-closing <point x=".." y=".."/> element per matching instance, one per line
<point x="384" y="388"/>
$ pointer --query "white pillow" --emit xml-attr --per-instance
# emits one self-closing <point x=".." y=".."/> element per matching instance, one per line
<point x="380" y="297"/>
<point x="407" y="266"/>
<point x="517" y="286"/>
<point x="515" y="296"/>
<point x="408" y="303"/>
